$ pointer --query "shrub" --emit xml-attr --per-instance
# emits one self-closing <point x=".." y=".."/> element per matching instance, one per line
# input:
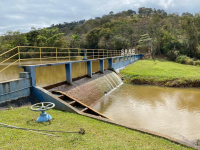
<point x="172" y="55"/>
<point x="189" y="61"/>
<point x="197" y="62"/>
<point x="182" y="59"/>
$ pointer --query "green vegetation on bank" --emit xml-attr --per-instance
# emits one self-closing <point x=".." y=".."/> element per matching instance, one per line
<point x="162" y="72"/>
<point x="99" y="135"/>
<point x="150" y="29"/>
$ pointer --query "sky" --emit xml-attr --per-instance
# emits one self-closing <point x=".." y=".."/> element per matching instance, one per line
<point x="23" y="14"/>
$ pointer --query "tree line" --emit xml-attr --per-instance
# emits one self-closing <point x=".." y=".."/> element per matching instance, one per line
<point x="149" y="29"/>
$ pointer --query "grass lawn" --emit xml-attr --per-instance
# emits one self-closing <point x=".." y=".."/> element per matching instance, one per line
<point x="99" y="135"/>
<point x="162" y="72"/>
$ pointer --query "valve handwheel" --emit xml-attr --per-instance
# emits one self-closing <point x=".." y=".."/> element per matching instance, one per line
<point x="43" y="107"/>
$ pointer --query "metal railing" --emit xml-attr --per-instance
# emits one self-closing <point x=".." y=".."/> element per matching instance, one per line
<point x="25" y="53"/>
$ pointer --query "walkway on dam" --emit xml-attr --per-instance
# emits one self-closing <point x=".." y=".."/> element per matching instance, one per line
<point x="90" y="62"/>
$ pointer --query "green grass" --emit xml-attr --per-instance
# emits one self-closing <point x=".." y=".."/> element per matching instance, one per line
<point x="162" y="72"/>
<point x="99" y="135"/>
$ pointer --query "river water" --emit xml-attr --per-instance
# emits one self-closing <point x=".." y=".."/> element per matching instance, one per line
<point x="48" y="75"/>
<point x="171" y="111"/>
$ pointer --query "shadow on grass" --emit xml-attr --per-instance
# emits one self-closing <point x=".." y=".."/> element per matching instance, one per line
<point x="33" y="122"/>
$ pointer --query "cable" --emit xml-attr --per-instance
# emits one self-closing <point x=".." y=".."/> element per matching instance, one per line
<point x="82" y="131"/>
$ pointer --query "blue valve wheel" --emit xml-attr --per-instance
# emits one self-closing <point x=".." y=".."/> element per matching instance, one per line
<point x="44" y="117"/>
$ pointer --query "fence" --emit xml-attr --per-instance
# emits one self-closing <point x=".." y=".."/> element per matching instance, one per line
<point x="25" y="53"/>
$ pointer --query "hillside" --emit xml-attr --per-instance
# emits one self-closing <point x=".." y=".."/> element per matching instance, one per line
<point x="150" y="29"/>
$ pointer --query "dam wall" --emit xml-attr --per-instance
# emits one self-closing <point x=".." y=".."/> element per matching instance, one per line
<point x="16" y="88"/>
<point x="24" y="86"/>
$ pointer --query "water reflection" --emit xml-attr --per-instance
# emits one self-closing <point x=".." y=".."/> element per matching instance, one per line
<point x="49" y="74"/>
<point x="171" y="111"/>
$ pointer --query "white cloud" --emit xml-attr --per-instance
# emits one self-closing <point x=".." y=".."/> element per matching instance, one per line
<point x="23" y="14"/>
<point x="166" y="3"/>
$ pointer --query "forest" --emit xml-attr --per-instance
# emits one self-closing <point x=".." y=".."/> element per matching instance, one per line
<point x="175" y="35"/>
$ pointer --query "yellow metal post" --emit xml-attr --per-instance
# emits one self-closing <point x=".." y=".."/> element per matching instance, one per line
<point x="98" y="53"/>
<point x="93" y="53"/>
<point x="79" y="51"/>
<point x="103" y="53"/>
<point x="56" y="53"/>
<point x="19" y="55"/>
<point x="69" y="54"/>
<point x="107" y="53"/>
<point x="40" y="54"/>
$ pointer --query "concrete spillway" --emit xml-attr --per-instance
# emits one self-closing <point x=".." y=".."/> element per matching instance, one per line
<point x="81" y="94"/>
<point x="89" y="90"/>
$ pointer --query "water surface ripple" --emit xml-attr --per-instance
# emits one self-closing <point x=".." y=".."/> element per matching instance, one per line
<point x="171" y="111"/>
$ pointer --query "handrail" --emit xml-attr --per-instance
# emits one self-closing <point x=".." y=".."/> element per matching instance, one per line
<point x="8" y="58"/>
<point x="9" y="65"/>
<point x="68" y="53"/>
<point x="8" y="51"/>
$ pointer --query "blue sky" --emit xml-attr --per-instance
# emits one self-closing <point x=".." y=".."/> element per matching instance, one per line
<point x="23" y="14"/>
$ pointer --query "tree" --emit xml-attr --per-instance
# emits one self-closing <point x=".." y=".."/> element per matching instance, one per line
<point x="145" y="41"/>
<point x="130" y="12"/>
<point x="111" y="13"/>
<point x="190" y="27"/>
<point x="120" y="42"/>
<point x="75" y="39"/>
<point x="48" y="37"/>
<point x="12" y="39"/>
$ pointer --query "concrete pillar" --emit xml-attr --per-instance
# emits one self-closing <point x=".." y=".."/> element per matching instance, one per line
<point x="89" y="68"/>
<point x="132" y="58"/>
<point x="31" y="70"/>
<point x="85" y="57"/>
<point x="110" y="63"/>
<point x="101" y="63"/>
<point x="68" y="70"/>
<point x="117" y="60"/>
<point x="129" y="58"/>
<point x="24" y="75"/>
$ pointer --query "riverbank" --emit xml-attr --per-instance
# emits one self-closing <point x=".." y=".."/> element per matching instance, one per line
<point x="161" y="72"/>
<point x="98" y="135"/>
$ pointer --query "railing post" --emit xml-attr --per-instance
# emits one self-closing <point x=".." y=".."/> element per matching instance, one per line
<point x="69" y="54"/>
<point x="19" y="55"/>
<point x="79" y="53"/>
<point x="40" y="54"/>
<point x="93" y="53"/>
<point x="107" y="53"/>
<point x="56" y="53"/>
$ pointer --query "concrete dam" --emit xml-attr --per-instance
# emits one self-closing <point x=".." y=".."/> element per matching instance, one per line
<point x="90" y="90"/>
<point x="76" y="93"/>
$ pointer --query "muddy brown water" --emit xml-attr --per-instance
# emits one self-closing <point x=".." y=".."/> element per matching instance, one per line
<point x="48" y="75"/>
<point x="171" y="111"/>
